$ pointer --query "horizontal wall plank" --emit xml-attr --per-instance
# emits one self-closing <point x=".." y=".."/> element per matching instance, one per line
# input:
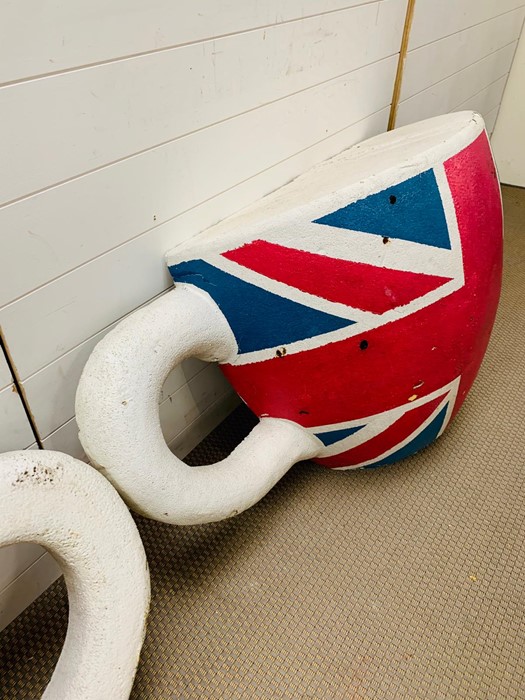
<point x="14" y="559"/>
<point x="60" y="127"/>
<point x="485" y="101"/>
<point x="27" y="587"/>
<point x="51" y="391"/>
<point x="490" y="120"/>
<point x="180" y="413"/>
<point x="65" y="439"/>
<point x="69" y="310"/>
<point x="66" y="226"/>
<point x="209" y="419"/>
<point x="57" y="36"/>
<point x="436" y="61"/>
<point x="15" y="431"/>
<point x="450" y="93"/>
<point x="433" y="20"/>
<point x="183" y="407"/>
<point x="5" y="373"/>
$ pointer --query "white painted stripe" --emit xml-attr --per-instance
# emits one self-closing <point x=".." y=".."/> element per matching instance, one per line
<point x="364" y="321"/>
<point x="449" y="398"/>
<point x="367" y="322"/>
<point x="376" y="424"/>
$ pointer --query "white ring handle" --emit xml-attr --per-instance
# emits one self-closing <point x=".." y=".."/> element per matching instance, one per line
<point x="118" y="417"/>
<point x="66" y="506"/>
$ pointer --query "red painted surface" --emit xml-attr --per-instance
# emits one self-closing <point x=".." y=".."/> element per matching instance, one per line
<point x="342" y="382"/>
<point x="334" y="279"/>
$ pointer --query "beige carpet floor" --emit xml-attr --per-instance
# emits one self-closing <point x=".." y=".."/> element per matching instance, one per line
<point x="402" y="582"/>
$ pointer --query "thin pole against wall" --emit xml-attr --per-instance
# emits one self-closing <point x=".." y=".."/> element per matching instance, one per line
<point x="401" y="64"/>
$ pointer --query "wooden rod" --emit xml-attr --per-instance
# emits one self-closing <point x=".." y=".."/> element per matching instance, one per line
<point x="401" y="64"/>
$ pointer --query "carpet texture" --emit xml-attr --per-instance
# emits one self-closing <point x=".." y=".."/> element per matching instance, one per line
<point x="402" y="582"/>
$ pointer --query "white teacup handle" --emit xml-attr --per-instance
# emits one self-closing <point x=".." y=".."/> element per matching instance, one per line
<point x="63" y="504"/>
<point x="118" y="417"/>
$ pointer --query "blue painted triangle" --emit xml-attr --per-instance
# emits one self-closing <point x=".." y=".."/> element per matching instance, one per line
<point x="332" y="436"/>
<point x="422" y="439"/>
<point x="258" y="318"/>
<point x="411" y="210"/>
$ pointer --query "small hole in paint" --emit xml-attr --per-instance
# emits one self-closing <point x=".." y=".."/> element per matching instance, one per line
<point x="392" y="199"/>
<point x="363" y="345"/>
<point x="386" y="239"/>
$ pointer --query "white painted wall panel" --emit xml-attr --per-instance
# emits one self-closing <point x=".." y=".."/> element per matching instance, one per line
<point x="434" y="62"/>
<point x="65" y="125"/>
<point x="449" y="94"/>
<point x="195" y="432"/>
<point x="435" y="20"/>
<point x="57" y="36"/>
<point x="487" y="100"/>
<point x="490" y="120"/>
<point x="15" y="431"/>
<point x="186" y="415"/>
<point x="184" y="406"/>
<point x="509" y="135"/>
<point x="5" y="374"/>
<point x="51" y="391"/>
<point x="15" y="559"/>
<point x="65" y="439"/>
<point x="459" y="54"/>
<point x="28" y="584"/>
<point x="67" y="311"/>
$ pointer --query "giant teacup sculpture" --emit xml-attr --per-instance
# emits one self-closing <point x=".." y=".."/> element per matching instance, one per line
<point x="350" y="310"/>
<point x="66" y="506"/>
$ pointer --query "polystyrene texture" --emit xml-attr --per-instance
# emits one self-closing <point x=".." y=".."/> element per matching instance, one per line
<point x="350" y="310"/>
<point x="69" y="508"/>
<point x="117" y="414"/>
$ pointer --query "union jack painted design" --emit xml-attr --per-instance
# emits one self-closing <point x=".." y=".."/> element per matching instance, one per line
<point x="366" y="324"/>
